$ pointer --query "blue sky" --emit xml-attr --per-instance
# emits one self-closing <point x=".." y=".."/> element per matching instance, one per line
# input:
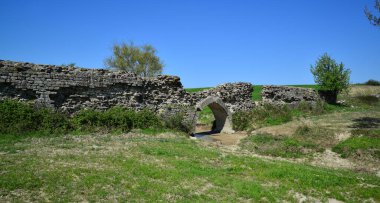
<point x="206" y="43"/>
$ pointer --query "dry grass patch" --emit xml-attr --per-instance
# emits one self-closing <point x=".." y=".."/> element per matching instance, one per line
<point x="361" y="90"/>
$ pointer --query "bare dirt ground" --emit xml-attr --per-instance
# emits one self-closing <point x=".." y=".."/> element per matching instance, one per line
<point x="218" y="138"/>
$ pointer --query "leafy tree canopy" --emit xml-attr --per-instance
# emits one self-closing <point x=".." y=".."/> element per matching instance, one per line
<point x="331" y="76"/>
<point x="141" y="60"/>
<point x="372" y="18"/>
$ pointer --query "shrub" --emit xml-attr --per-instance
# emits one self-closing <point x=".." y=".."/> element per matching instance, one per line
<point x="177" y="122"/>
<point x="145" y="119"/>
<point x="53" y="121"/>
<point x="117" y="118"/>
<point x="241" y="120"/>
<point x="87" y="119"/>
<point x="372" y="82"/>
<point x="18" y="118"/>
<point x="331" y="77"/>
<point x="317" y="108"/>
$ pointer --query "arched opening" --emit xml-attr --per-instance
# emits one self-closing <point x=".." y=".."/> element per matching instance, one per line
<point x="221" y="114"/>
<point x="205" y="120"/>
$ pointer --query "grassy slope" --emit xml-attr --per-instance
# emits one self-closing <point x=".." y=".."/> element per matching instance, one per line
<point x="351" y="130"/>
<point x="125" y="168"/>
<point x="306" y="136"/>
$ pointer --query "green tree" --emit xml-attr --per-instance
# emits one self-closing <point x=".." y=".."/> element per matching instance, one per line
<point x="372" y="18"/>
<point x="331" y="77"/>
<point x="70" y="64"/>
<point x="141" y="60"/>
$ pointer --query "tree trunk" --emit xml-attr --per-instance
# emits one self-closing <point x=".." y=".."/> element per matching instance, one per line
<point x="329" y="96"/>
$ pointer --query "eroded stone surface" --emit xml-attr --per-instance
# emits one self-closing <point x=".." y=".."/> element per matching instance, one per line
<point x="288" y="95"/>
<point x="70" y="89"/>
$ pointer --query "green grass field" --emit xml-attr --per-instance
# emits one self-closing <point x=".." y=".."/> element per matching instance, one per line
<point x="132" y="167"/>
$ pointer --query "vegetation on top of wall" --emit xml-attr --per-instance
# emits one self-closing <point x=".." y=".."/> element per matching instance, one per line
<point x="256" y="94"/>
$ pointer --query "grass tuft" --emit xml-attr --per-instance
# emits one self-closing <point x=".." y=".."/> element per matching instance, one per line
<point x="363" y="143"/>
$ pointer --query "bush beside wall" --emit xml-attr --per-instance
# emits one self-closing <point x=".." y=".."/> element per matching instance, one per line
<point x="20" y="118"/>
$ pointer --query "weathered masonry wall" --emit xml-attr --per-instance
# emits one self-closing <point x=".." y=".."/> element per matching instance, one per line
<point x="288" y="95"/>
<point x="70" y="89"/>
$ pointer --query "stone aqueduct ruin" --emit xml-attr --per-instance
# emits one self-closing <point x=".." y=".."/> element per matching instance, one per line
<point x="70" y="89"/>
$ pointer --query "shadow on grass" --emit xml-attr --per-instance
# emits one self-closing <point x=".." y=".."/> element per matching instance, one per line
<point x="366" y="122"/>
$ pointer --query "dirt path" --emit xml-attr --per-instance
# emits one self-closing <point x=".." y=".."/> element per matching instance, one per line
<point x="202" y="133"/>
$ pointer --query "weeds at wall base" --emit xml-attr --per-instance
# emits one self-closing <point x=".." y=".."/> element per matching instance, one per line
<point x="18" y="118"/>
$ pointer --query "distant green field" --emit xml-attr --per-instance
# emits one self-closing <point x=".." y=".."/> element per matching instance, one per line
<point x="191" y="90"/>
<point x="304" y="86"/>
<point x="256" y="94"/>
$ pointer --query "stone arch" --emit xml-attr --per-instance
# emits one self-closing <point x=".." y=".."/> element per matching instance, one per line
<point x="222" y="115"/>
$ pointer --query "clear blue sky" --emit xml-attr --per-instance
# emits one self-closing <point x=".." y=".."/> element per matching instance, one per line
<point x="204" y="42"/>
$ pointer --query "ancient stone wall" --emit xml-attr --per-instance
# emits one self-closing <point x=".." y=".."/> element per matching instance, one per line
<point x="236" y="96"/>
<point x="70" y="89"/>
<point x="288" y="95"/>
